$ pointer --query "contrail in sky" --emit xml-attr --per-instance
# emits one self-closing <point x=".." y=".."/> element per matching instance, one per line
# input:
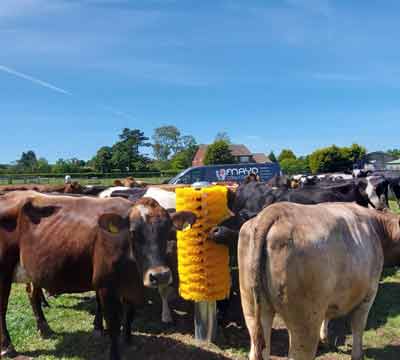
<point x="34" y="80"/>
<point x="47" y="85"/>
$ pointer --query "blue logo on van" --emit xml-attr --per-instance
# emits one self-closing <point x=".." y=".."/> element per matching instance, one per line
<point x="222" y="174"/>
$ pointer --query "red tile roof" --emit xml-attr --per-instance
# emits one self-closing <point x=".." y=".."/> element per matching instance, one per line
<point x="236" y="149"/>
<point x="261" y="158"/>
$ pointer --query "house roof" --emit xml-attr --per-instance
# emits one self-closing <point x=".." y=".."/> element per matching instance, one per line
<point x="200" y="154"/>
<point x="261" y="158"/>
<point x="394" y="162"/>
<point x="239" y="150"/>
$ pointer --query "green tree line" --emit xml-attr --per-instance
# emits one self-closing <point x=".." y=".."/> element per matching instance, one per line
<point x="171" y="150"/>
<point x="175" y="151"/>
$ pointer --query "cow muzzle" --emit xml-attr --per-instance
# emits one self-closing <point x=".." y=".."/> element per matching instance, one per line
<point x="217" y="233"/>
<point x="157" y="276"/>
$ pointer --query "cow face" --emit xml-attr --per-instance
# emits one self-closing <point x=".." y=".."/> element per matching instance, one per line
<point x="73" y="188"/>
<point x="377" y="191"/>
<point x="149" y="227"/>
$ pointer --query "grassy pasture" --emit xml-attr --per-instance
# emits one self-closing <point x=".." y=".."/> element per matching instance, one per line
<point x="71" y="316"/>
<point x="86" y="181"/>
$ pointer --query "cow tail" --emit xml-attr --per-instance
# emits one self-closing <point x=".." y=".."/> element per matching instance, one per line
<point x="259" y="277"/>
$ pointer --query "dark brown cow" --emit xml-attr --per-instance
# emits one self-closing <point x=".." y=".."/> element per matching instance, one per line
<point x="75" y="244"/>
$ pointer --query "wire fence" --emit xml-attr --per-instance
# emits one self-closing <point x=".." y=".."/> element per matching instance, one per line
<point x="84" y="179"/>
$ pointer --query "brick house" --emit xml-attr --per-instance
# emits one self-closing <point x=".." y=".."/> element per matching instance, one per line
<point x="239" y="151"/>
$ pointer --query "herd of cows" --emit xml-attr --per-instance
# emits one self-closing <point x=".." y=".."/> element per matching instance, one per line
<point x="308" y="249"/>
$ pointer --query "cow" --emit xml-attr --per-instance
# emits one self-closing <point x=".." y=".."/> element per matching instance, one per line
<point x="75" y="244"/>
<point x="167" y="199"/>
<point x="394" y="184"/>
<point x="68" y="188"/>
<point x="311" y="264"/>
<point x="129" y="182"/>
<point x="251" y="198"/>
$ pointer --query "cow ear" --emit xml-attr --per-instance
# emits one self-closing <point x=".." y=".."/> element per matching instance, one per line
<point x="37" y="213"/>
<point x="183" y="219"/>
<point x="113" y="223"/>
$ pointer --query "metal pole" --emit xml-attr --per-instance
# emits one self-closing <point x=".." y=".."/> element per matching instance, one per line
<point x="205" y="321"/>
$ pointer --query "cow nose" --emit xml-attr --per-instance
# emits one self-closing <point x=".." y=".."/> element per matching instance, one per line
<point x="160" y="278"/>
<point x="215" y="232"/>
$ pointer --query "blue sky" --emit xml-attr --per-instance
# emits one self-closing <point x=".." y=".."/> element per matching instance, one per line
<point x="273" y="74"/>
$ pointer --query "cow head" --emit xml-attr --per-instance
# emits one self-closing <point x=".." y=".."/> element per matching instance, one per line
<point x="129" y="182"/>
<point x="73" y="188"/>
<point x="374" y="191"/>
<point x="148" y="227"/>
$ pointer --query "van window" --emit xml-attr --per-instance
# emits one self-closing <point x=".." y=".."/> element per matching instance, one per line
<point x="196" y="175"/>
<point x="184" y="179"/>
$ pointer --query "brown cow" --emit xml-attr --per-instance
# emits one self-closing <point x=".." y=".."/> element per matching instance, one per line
<point x="311" y="264"/>
<point x="129" y="182"/>
<point x="70" y="188"/>
<point x="75" y="244"/>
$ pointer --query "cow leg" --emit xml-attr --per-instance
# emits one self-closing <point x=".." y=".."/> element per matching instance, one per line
<point x="166" y="316"/>
<point x="256" y="341"/>
<point x="7" y="348"/>
<point x="251" y="312"/>
<point x="35" y="298"/>
<point x="267" y="319"/>
<point x="304" y="339"/>
<point x="98" y="318"/>
<point x="111" y="306"/>
<point x="129" y="314"/>
<point x="43" y="299"/>
<point x="358" y="323"/>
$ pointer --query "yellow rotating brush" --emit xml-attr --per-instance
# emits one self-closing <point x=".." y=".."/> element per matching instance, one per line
<point x="203" y="266"/>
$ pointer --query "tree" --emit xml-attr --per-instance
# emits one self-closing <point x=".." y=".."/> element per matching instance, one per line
<point x="166" y="142"/>
<point x="28" y="161"/>
<point x="102" y="161"/>
<point x="394" y="152"/>
<point x="295" y="166"/>
<point x="334" y="158"/>
<point x="43" y="166"/>
<point x="223" y="135"/>
<point x="187" y="141"/>
<point x="125" y="153"/>
<point x="272" y="157"/>
<point x="353" y="153"/>
<point x="286" y="154"/>
<point x="183" y="159"/>
<point x="218" y="153"/>
<point x="73" y="165"/>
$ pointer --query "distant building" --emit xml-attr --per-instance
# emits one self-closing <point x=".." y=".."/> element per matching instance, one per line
<point x="375" y="161"/>
<point x="239" y="151"/>
<point x="393" y="165"/>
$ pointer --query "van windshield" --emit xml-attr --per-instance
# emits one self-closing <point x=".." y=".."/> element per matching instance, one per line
<point x="181" y="177"/>
<point x="188" y="176"/>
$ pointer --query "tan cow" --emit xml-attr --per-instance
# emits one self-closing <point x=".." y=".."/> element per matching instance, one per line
<point x="310" y="264"/>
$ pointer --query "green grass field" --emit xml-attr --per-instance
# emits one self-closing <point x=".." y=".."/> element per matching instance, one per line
<point x="86" y="181"/>
<point x="71" y="316"/>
